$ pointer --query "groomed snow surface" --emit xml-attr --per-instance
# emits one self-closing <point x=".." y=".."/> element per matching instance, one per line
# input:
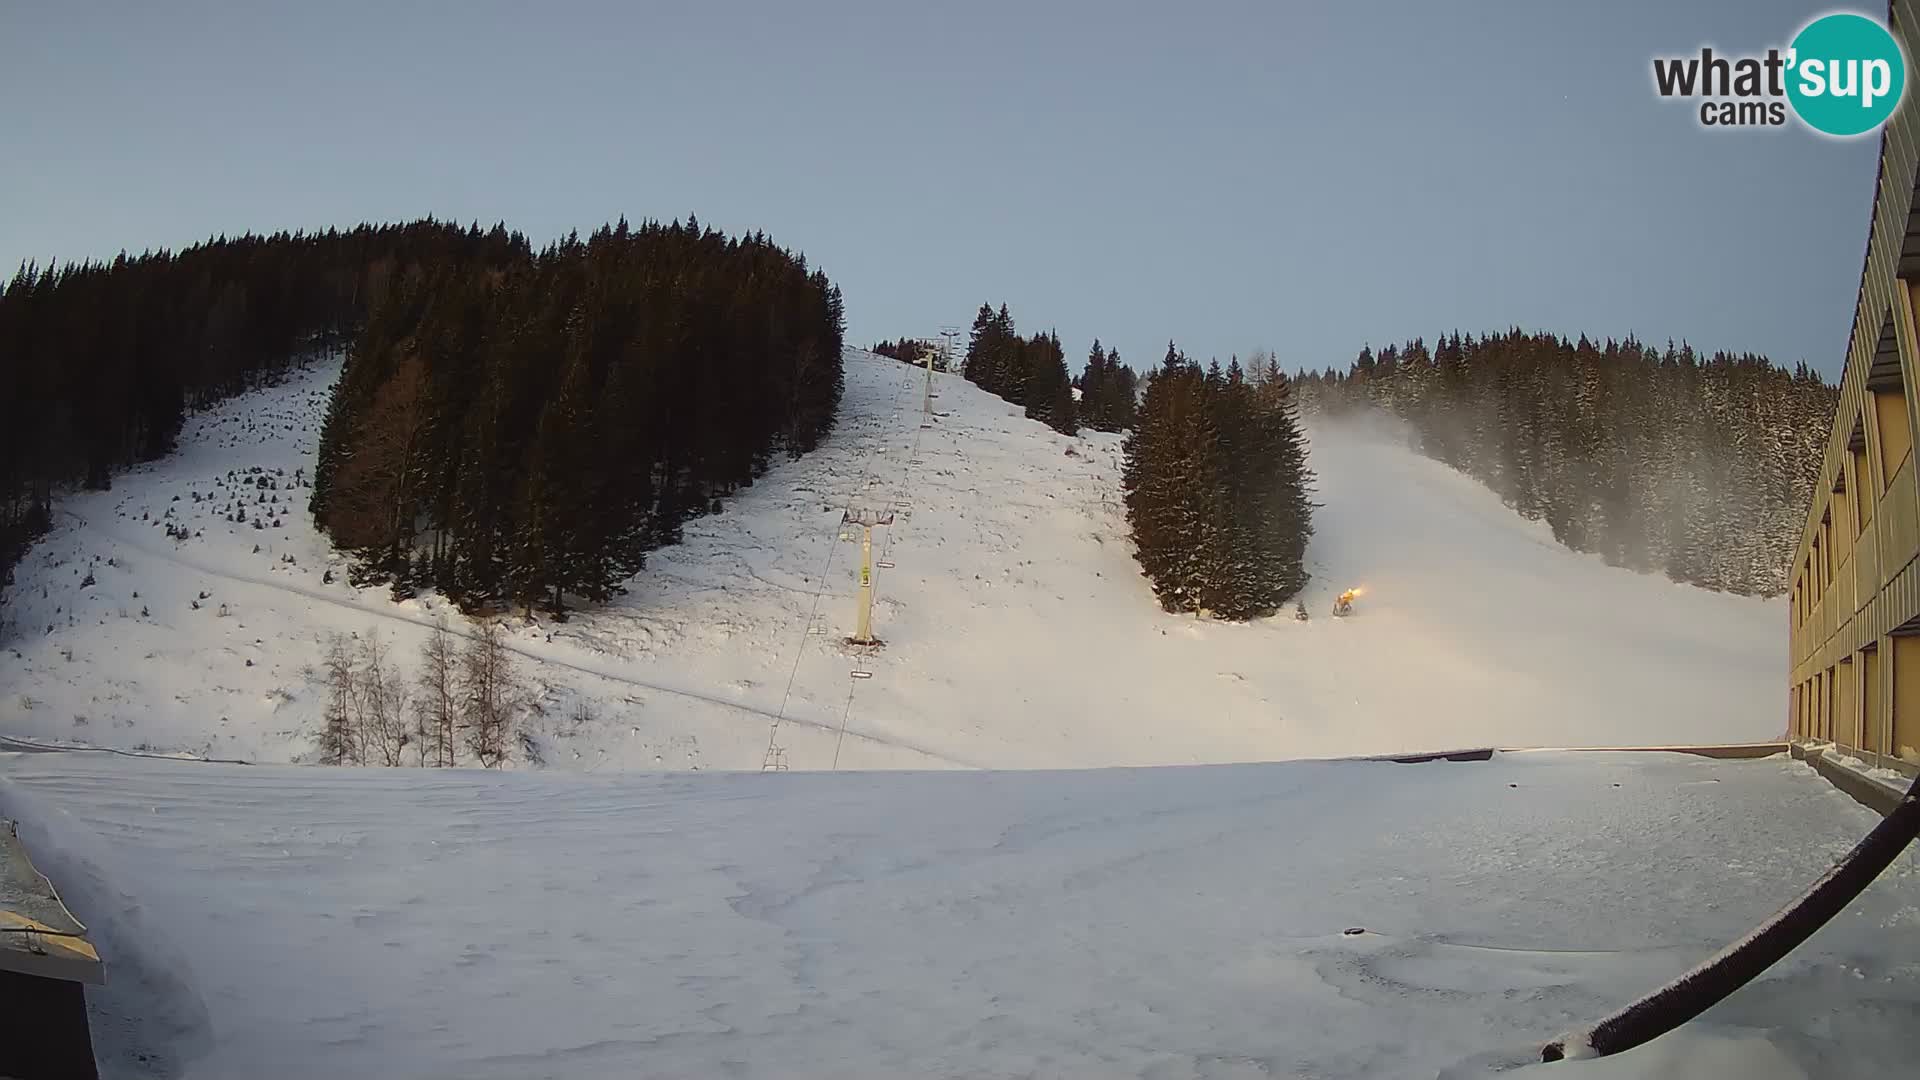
<point x="1167" y="923"/>
<point x="611" y="915"/>
<point x="1018" y="631"/>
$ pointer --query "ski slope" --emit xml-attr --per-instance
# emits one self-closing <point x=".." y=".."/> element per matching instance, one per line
<point x="1018" y="632"/>
<point x="1180" y="922"/>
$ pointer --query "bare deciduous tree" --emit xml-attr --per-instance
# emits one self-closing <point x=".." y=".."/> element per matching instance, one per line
<point x="384" y="718"/>
<point x="440" y="692"/>
<point x="491" y="692"/>
<point x="339" y="738"/>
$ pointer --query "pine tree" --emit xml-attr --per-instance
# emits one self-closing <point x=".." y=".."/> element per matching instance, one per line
<point x="1117" y="410"/>
<point x="1218" y="490"/>
<point x="1049" y="392"/>
<point x="1093" y="388"/>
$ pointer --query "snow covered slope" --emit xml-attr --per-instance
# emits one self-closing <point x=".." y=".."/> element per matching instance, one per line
<point x="1018" y="630"/>
<point x="1182" y="922"/>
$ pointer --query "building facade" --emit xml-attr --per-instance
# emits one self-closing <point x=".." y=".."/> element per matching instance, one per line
<point x="1855" y="598"/>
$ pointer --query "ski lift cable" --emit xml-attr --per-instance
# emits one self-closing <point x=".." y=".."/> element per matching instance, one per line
<point x="813" y="609"/>
<point x="1734" y="966"/>
<point x="886" y="548"/>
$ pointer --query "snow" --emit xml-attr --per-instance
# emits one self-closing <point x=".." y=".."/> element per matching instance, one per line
<point x="1018" y="632"/>
<point x="1173" y="922"/>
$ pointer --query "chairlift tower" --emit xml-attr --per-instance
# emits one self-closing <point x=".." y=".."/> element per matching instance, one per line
<point x="863" y="614"/>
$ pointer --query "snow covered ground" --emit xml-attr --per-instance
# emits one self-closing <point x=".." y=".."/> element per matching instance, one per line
<point x="1018" y="631"/>
<point x="1180" y="922"/>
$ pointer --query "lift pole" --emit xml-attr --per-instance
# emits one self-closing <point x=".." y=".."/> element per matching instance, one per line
<point x="948" y="334"/>
<point x="928" y="405"/>
<point x="863" y="614"/>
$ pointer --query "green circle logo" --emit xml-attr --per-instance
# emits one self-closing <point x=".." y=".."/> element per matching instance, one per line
<point x="1846" y="74"/>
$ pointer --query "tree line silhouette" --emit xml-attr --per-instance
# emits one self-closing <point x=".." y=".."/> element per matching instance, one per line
<point x="1027" y="371"/>
<point x="511" y="426"/>
<point x="1218" y="489"/>
<point x="100" y="362"/>
<point x="523" y="432"/>
<point x="1697" y="466"/>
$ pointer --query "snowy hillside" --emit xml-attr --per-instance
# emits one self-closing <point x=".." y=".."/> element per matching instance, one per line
<point x="1185" y="922"/>
<point x="1018" y="632"/>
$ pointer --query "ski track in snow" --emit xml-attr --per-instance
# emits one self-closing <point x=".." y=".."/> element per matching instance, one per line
<point x="1179" y="922"/>
<point x="1018" y="631"/>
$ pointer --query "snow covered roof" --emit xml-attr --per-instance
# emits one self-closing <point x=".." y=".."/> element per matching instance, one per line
<point x="1143" y="922"/>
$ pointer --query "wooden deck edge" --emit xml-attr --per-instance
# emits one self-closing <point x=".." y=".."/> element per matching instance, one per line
<point x="1875" y="794"/>
<point x="1723" y="751"/>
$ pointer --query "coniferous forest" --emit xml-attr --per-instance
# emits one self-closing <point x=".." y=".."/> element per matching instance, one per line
<point x="1109" y="392"/>
<point x="524" y="433"/>
<point x="1699" y="467"/>
<point x="1028" y="371"/>
<point x="100" y="362"/>
<point x="1217" y="488"/>
<point x="910" y="351"/>
<point x="511" y="426"/>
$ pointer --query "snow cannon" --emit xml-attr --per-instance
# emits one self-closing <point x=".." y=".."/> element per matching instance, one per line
<point x="1343" y="604"/>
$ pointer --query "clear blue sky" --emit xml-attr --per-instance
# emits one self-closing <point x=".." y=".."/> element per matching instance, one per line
<point x="1301" y="176"/>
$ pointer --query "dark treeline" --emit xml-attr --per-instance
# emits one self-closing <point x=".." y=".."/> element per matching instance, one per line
<point x="1699" y="467"/>
<point x="1108" y="391"/>
<point x="1025" y="371"/>
<point x="1217" y="488"/>
<point x="910" y="351"/>
<point x="100" y="362"/>
<point x="524" y="431"/>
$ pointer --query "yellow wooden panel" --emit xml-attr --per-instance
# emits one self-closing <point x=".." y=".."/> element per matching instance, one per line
<point x="1896" y="438"/>
<point x="1906" y="697"/>
<point x="1846" y="703"/>
<point x="1866" y="569"/>
<point x="1872" y="711"/>
<point x="1899" y="531"/>
<point x="1843" y="590"/>
<point x="1824" y="729"/>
